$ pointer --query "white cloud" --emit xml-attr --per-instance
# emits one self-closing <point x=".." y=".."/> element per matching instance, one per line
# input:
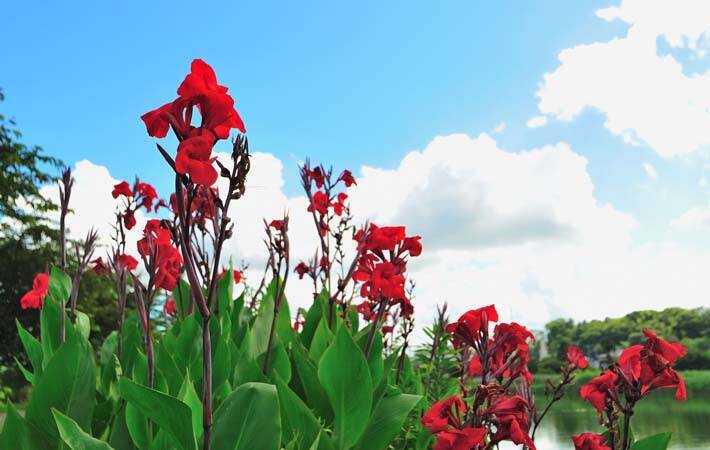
<point x="646" y="97"/>
<point x="697" y="218"/>
<point x="93" y="206"/>
<point x="650" y="170"/>
<point x="537" y="121"/>
<point x="499" y="128"/>
<point x="523" y="230"/>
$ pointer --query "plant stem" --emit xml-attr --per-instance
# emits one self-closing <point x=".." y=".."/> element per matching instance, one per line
<point x="207" y="382"/>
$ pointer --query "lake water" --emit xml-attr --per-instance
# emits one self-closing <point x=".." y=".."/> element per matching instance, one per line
<point x="689" y="422"/>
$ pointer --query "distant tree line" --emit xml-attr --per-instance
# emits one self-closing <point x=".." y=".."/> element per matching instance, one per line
<point x="602" y="339"/>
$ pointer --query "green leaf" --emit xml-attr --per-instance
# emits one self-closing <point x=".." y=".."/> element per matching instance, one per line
<point x="120" y="438"/>
<point x="165" y="362"/>
<point x="138" y="427"/>
<point x="656" y="442"/>
<point x="32" y="347"/>
<point x="308" y="375"/>
<point x="76" y="438"/>
<point x="49" y="329"/>
<point x="190" y="398"/>
<point x="297" y="420"/>
<point x="321" y="339"/>
<point x="387" y="421"/>
<point x="225" y="288"/>
<point x="313" y="318"/>
<point x="83" y="324"/>
<point x="68" y="384"/>
<point x="221" y="362"/>
<point x="345" y="376"/>
<point x="170" y="414"/>
<point x="181" y="294"/>
<point x="259" y="338"/>
<point x="374" y="359"/>
<point x="248" y="419"/>
<point x="188" y="351"/>
<point x="18" y="433"/>
<point x="59" y="285"/>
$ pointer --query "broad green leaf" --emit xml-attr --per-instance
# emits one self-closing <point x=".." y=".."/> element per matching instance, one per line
<point x="313" y="318"/>
<point x="221" y="362"/>
<point x="32" y="347"/>
<point x="170" y="414"/>
<point x="225" y="288"/>
<point x="49" y="329"/>
<point x="76" y="438"/>
<point x="656" y="442"/>
<point x="259" y="336"/>
<point x="59" y="285"/>
<point x="321" y="339"/>
<point x="68" y="384"/>
<point x="279" y="363"/>
<point x="181" y="295"/>
<point x="83" y="324"/>
<point x="18" y="433"/>
<point x="374" y="359"/>
<point x="387" y="420"/>
<point x="248" y="419"/>
<point x="345" y="376"/>
<point x="131" y="342"/>
<point x="138" y="426"/>
<point x="308" y="375"/>
<point x="188" y="396"/>
<point x="165" y="362"/>
<point x="120" y="438"/>
<point x="188" y="351"/>
<point x="297" y="420"/>
<point x="29" y="376"/>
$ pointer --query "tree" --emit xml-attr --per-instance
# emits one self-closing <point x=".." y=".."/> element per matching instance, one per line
<point x="27" y="239"/>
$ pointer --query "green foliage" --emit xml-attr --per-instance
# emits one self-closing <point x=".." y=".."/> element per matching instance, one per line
<point x="655" y="442"/>
<point x="601" y="339"/>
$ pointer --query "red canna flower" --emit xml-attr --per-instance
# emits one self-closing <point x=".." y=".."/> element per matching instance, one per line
<point x="471" y="324"/>
<point x="347" y="178"/>
<point x="474" y="367"/>
<point x="319" y="203"/>
<point x="127" y="262"/>
<point x="630" y="362"/>
<point x="460" y="439"/>
<point x="100" y="267"/>
<point x="365" y="308"/>
<point x="379" y="238"/>
<point x="146" y="194"/>
<point x="129" y="219"/>
<point x="121" y="188"/>
<point x="339" y="204"/>
<point x="194" y="157"/>
<point x="34" y="298"/>
<point x="669" y="351"/>
<point x="444" y="413"/>
<point x="170" y="308"/>
<point x="413" y="245"/>
<point x="576" y="358"/>
<point x="599" y="389"/>
<point x="382" y="280"/>
<point x="301" y="269"/>
<point x="317" y="176"/>
<point x="589" y="441"/>
<point x="387" y="329"/>
<point x="238" y="276"/>
<point x="276" y="224"/>
<point x="511" y="414"/>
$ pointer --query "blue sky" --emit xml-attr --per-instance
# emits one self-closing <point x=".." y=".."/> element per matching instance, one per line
<point x="365" y="83"/>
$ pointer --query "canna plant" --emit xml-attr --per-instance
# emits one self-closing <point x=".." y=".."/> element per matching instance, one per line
<point x="192" y="365"/>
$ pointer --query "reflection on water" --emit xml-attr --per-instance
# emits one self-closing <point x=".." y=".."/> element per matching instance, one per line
<point x="688" y="421"/>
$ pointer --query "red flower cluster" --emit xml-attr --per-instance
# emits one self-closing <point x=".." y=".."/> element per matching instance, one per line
<point x="445" y="420"/>
<point x="324" y="198"/>
<point x="164" y="260"/>
<point x="100" y="266"/>
<point x="382" y="266"/>
<point x="34" y="298"/>
<point x="127" y="262"/>
<point x="640" y="369"/>
<point x="494" y="362"/>
<point x="143" y="195"/>
<point x="589" y="441"/>
<point x="576" y="358"/>
<point x="219" y="117"/>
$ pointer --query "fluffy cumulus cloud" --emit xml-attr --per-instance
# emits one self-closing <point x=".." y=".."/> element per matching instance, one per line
<point x="695" y="219"/>
<point x="521" y="229"/>
<point x="646" y="95"/>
